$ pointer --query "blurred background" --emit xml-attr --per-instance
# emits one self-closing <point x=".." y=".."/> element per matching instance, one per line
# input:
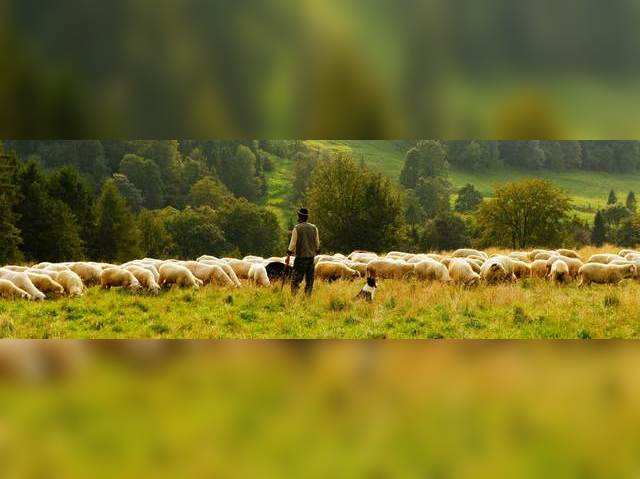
<point x="311" y="409"/>
<point x="320" y="68"/>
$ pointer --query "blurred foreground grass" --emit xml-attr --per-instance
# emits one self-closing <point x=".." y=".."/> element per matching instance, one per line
<point x="305" y="409"/>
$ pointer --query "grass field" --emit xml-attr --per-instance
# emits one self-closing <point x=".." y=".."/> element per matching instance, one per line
<point x="589" y="190"/>
<point x="531" y="308"/>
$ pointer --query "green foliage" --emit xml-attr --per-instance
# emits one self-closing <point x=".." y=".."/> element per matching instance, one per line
<point x="131" y="194"/>
<point x="427" y="159"/>
<point x="146" y="176"/>
<point x="414" y="213"/>
<point x="48" y="228"/>
<point x="628" y="232"/>
<point x="210" y="192"/>
<point x="117" y="235"/>
<point x="599" y="232"/>
<point x="303" y="166"/>
<point x="239" y="173"/>
<point x="194" y="232"/>
<point x="523" y="154"/>
<point x="155" y="240"/>
<point x="613" y="199"/>
<point x="353" y="207"/>
<point x="10" y="239"/>
<point x="524" y="214"/>
<point x="434" y="193"/>
<point x="631" y="203"/>
<point x="474" y="155"/>
<point x="614" y="214"/>
<point x="250" y="229"/>
<point x="67" y="185"/>
<point x="468" y="199"/>
<point x="447" y="231"/>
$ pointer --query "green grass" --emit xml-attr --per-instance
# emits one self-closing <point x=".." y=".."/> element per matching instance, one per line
<point x="279" y="182"/>
<point x="403" y="309"/>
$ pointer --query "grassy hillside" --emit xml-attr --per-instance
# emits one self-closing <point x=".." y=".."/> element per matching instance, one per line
<point x="589" y="190"/>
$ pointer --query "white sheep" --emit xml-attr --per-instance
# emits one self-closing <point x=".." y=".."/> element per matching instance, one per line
<point x="8" y="290"/>
<point x="605" y="273"/>
<point x="603" y="258"/>
<point x="461" y="272"/>
<point x="390" y="269"/>
<point x="559" y="272"/>
<point x="45" y="284"/>
<point x="72" y="283"/>
<point x="173" y="273"/>
<point x="89" y="273"/>
<point x="464" y="252"/>
<point x="432" y="270"/>
<point x="258" y="275"/>
<point x="119" y="278"/>
<point x="145" y="277"/>
<point x="22" y="281"/>
<point x="332" y="271"/>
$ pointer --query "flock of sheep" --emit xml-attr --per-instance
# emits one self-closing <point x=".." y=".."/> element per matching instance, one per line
<point x="471" y="266"/>
<point x="463" y="266"/>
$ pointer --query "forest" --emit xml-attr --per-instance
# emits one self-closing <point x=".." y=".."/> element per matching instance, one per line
<point x="115" y="200"/>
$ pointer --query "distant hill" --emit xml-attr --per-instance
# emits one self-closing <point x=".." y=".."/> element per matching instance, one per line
<point x="589" y="189"/>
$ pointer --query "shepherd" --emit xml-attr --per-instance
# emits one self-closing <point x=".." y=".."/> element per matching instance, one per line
<point x="305" y="244"/>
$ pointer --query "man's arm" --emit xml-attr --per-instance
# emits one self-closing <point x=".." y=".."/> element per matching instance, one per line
<point x="293" y="242"/>
<point x="317" y="241"/>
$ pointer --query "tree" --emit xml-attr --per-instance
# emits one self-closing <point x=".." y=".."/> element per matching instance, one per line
<point x="614" y="214"/>
<point x="117" y="235"/>
<point x="146" y="176"/>
<point x="434" y="195"/>
<point x="631" y="202"/>
<point x="209" y="191"/>
<point x="524" y="213"/>
<point x="63" y="238"/>
<point x="468" y="199"/>
<point x="523" y="154"/>
<point x="131" y="194"/>
<point x="599" y="232"/>
<point x="613" y="199"/>
<point x="195" y="232"/>
<point x="474" y="155"/>
<point x="353" y="207"/>
<point x="9" y="195"/>
<point x="48" y="227"/>
<point x="427" y="159"/>
<point x="628" y="234"/>
<point x="155" y="240"/>
<point x="250" y="229"/>
<point x="239" y="173"/>
<point x="414" y="213"/>
<point x="303" y="166"/>
<point x="67" y="185"/>
<point x="445" y="232"/>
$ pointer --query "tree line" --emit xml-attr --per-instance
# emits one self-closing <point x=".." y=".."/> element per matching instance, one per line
<point x="59" y="208"/>
<point x="187" y="198"/>
<point x="591" y="155"/>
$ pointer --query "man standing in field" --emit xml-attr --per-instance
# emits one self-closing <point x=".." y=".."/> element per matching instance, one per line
<point x="305" y="244"/>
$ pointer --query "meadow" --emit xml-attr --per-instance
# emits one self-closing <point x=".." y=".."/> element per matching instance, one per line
<point x="531" y="308"/>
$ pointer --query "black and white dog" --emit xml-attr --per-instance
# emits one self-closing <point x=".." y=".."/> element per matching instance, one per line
<point x="369" y="290"/>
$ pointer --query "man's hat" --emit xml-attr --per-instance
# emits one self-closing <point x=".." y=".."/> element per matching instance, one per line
<point x="303" y="212"/>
